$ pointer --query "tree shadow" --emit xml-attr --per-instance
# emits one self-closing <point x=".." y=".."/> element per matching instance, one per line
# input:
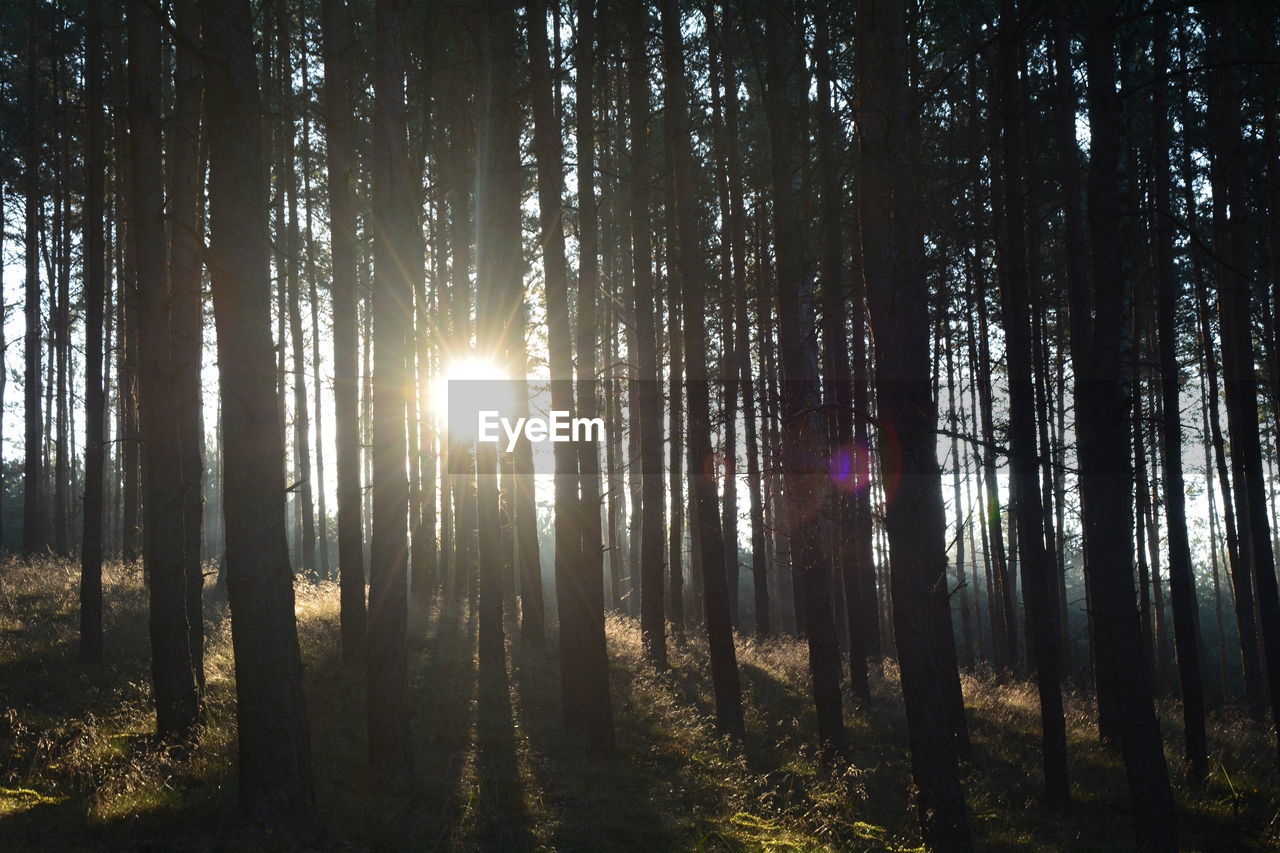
<point x="502" y="821"/>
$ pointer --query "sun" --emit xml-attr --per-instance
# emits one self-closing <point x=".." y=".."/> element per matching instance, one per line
<point x="470" y="377"/>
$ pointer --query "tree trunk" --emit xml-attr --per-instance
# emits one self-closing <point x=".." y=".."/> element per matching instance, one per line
<point x="339" y="44"/>
<point x="172" y="670"/>
<point x="274" y="743"/>
<point x="1231" y="239"/>
<point x="588" y="578"/>
<point x="33" y="538"/>
<point x="688" y="263"/>
<point x="186" y="320"/>
<point x="914" y="520"/>
<point x="393" y="218"/>
<point x="94" y="391"/>
<point x="1182" y="582"/>
<point x="1106" y="470"/>
<point x="1037" y="571"/>
<point x="646" y="414"/>
<point x="804" y="427"/>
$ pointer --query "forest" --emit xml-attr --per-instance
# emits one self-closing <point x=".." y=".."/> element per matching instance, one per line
<point x="639" y="425"/>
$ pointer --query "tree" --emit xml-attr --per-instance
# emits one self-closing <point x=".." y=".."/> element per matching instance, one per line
<point x="1106" y="471"/>
<point x="586" y="598"/>
<point x="393" y="217"/>
<point x="715" y="592"/>
<point x="172" y="666"/>
<point x="94" y="296"/>
<point x="1037" y="572"/>
<point x="1182" y="583"/>
<point x="804" y="427"/>
<point x="274" y="742"/>
<point x="914" y="519"/>
<point x="33" y="536"/>
<point x="646" y="411"/>
<point x="339" y="44"/>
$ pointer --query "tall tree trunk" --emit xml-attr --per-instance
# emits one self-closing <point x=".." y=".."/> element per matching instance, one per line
<point x="646" y="413"/>
<point x="339" y="107"/>
<point x="715" y="592"/>
<point x="94" y="391"/>
<point x="588" y="577"/>
<point x="1231" y="239"/>
<point x="914" y="520"/>
<point x="804" y="427"/>
<point x="172" y="671"/>
<point x="846" y="460"/>
<point x="186" y="320"/>
<point x="568" y="513"/>
<point x="1182" y="584"/>
<point x="393" y="218"/>
<point x="33" y="538"/>
<point x="1106" y="470"/>
<point x="1037" y="570"/>
<point x="274" y="743"/>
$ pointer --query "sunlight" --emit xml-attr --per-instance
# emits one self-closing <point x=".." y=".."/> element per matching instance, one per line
<point x="460" y="375"/>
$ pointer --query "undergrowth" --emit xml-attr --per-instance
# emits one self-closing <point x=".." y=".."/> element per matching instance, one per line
<point x="494" y="769"/>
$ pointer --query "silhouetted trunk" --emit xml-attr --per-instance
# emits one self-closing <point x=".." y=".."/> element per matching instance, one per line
<point x="186" y="320"/>
<point x="646" y="412"/>
<point x="1037" y="570"/>
<point x="274" y="743"/>
<point x="393" y="218"/>
<point x="339" y="44"/>
<point x="591" y="651"/>
<point x="803" y="425"/>
<point x="1231" y="239"/>
<point x="1182" y="582"/>
<point x="732" y="252"/>
<point x="568" y="514"/>
<point x="1106" y="470"/>
<point x="893" y="263"/>
<point x="33" y="538"/>
<point x="173" y="675"/>
<point x="94" y="297"/>
<point x="688" y="263"/>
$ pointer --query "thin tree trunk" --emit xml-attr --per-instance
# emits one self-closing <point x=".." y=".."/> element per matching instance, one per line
<point x="1231" y="240"/>
<point x="94" y="293"/>
<point x="646" y="413"/>
<point x="339" y="43"/>
<point x="715" y="593"/>
<point x="33" y="538"/>
<point x="1182" y="582"/>
<point x="592" y="651"/>
<point x="393" y="218"/>
<point x="1037" y="571"/>
<point x="1106" y="472"/>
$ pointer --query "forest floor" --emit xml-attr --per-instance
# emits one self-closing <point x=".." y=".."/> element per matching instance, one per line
<point x="494" y="770"/>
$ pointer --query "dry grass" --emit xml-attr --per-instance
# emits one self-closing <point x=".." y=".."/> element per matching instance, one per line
<point x="495" y="771"/>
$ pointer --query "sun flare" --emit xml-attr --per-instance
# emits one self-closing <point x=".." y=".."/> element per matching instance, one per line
<point x="458" y="373"/>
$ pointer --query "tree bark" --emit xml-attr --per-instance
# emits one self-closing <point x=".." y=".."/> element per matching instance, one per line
<point x="803" y="425"/>
<point x="914" y="519"/>
<point x="1037" y="571"/>
<point x="274" y="743"/>
<point x="1182" y="582"/>
<point x="392" y="292"/>
<point x="688" y="263"/>
<point x="94" y="391"/>
<point x="339" y="43"/>
<point x="1106" y="470"/>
